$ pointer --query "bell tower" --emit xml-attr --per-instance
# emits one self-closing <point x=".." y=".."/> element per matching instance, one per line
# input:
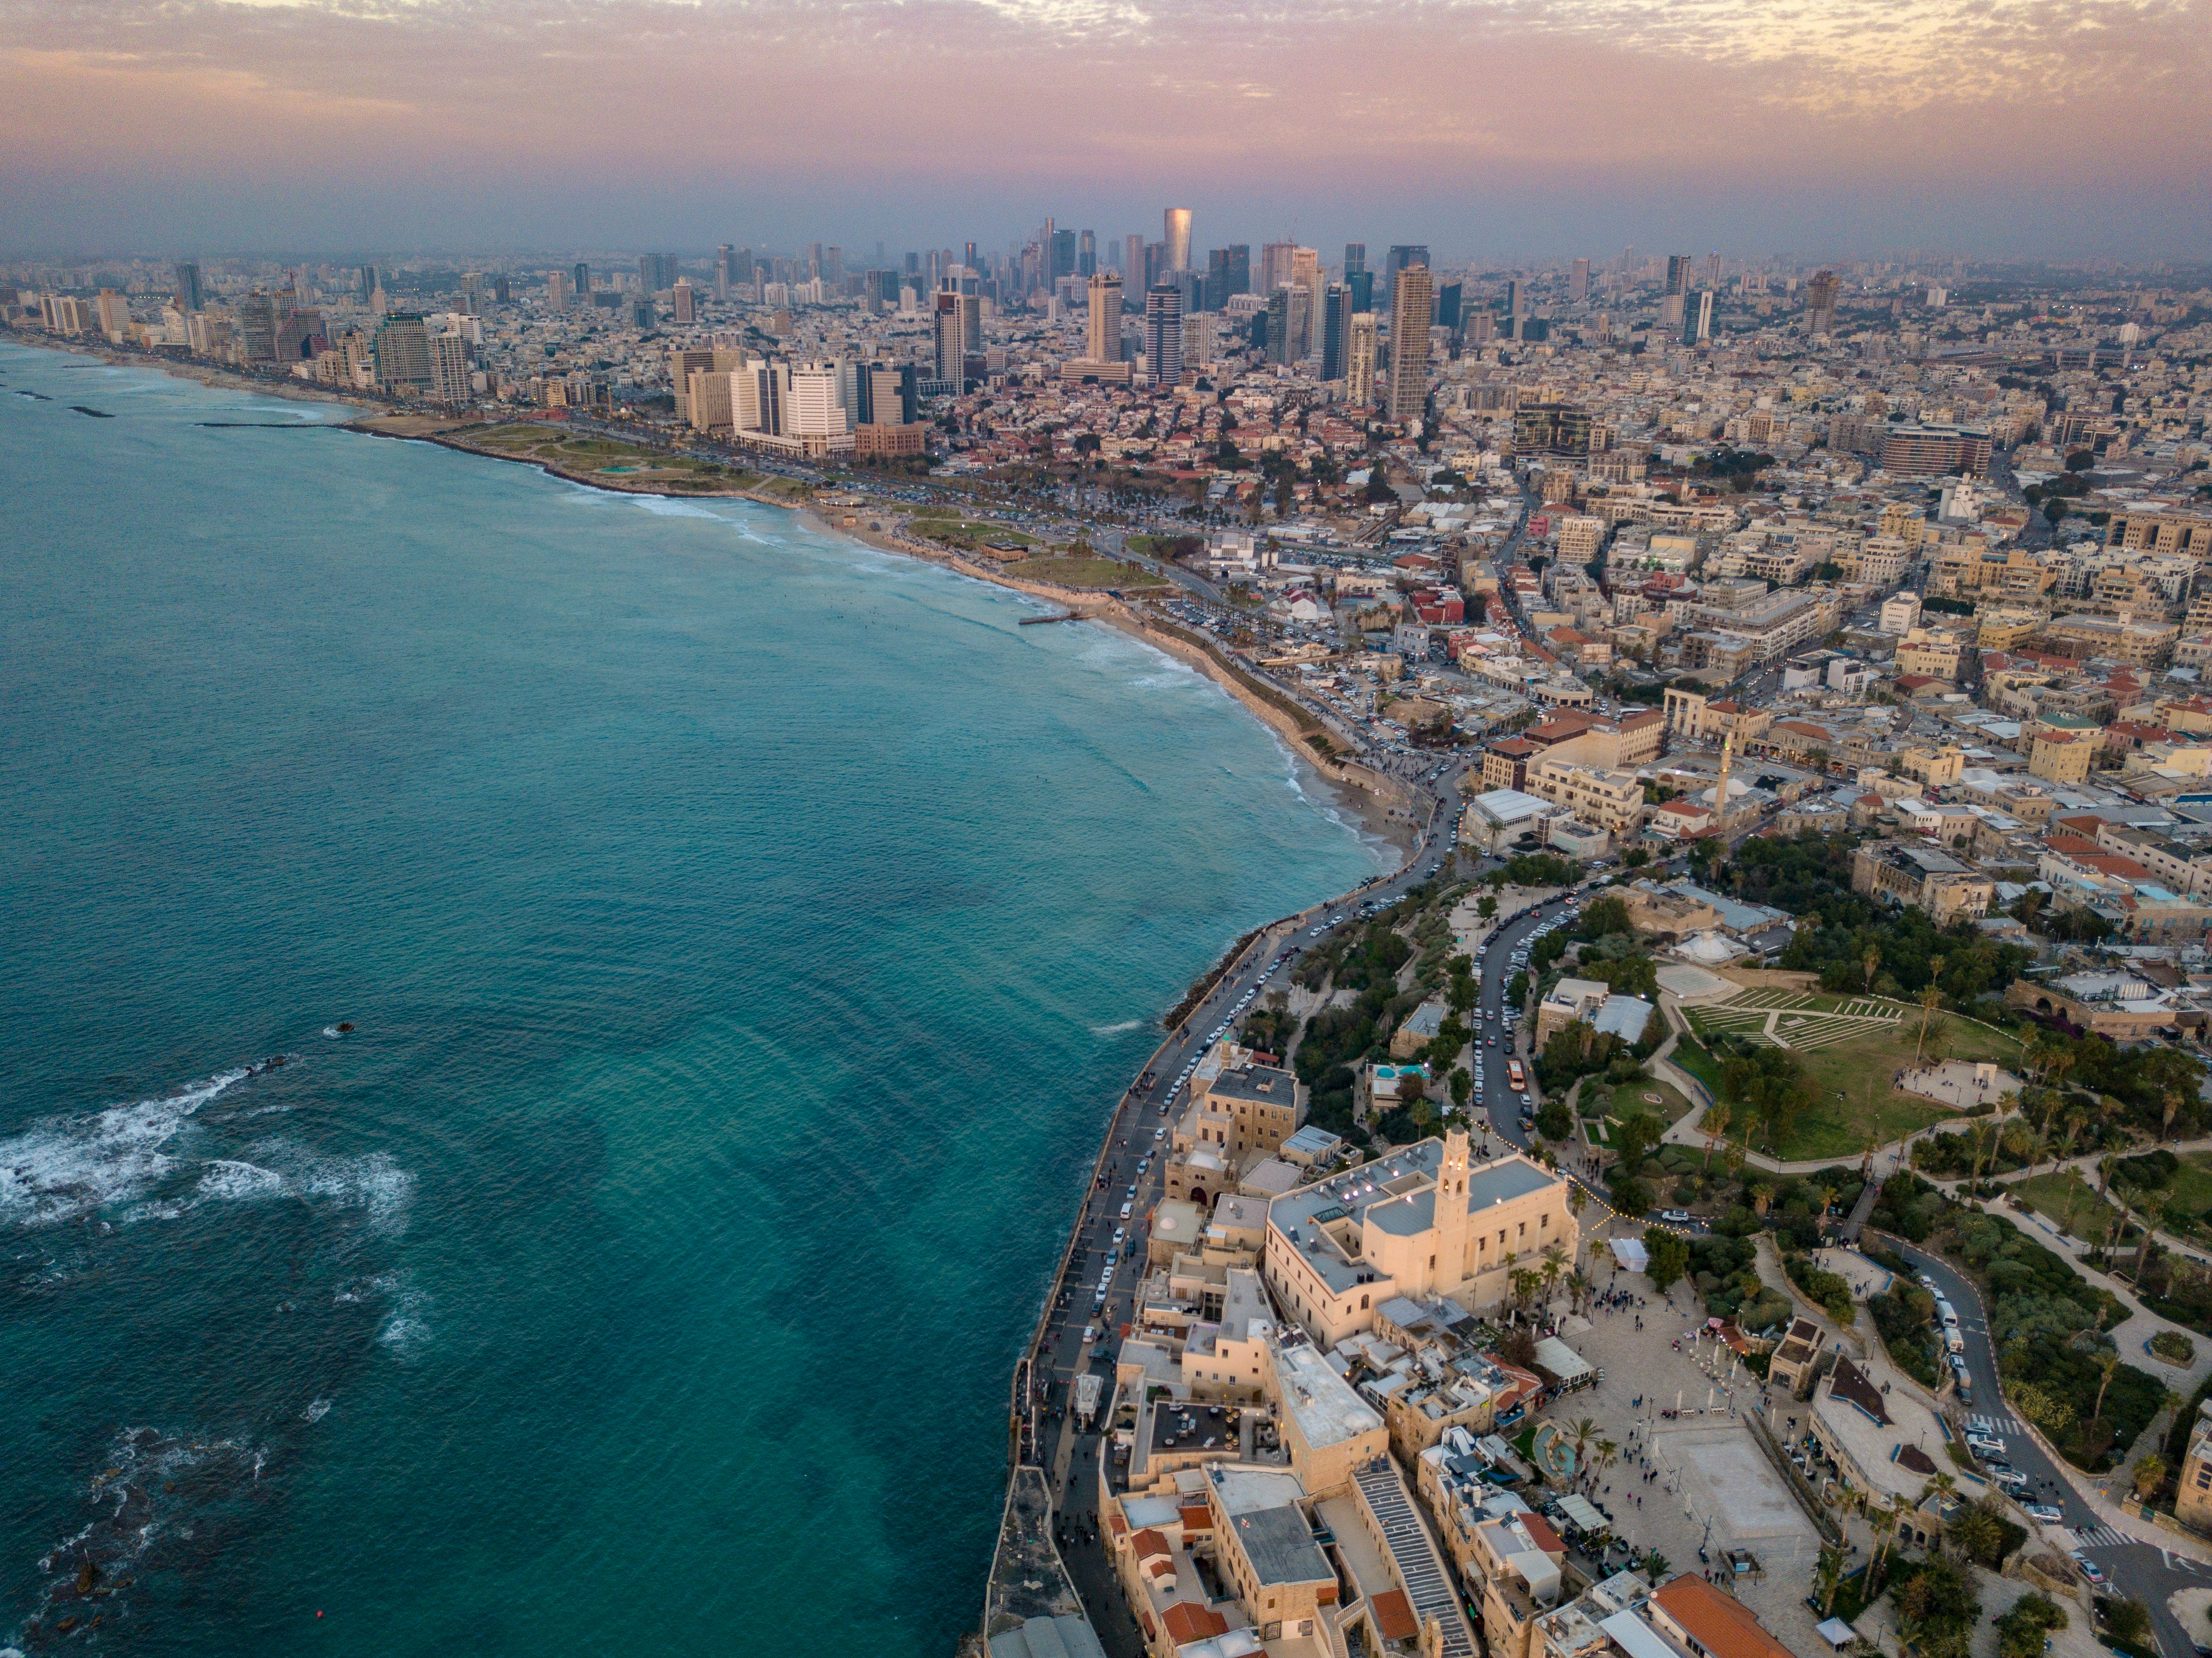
<point x="1454" y="1264"/>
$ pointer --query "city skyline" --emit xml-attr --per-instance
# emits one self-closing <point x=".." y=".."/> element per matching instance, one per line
<point x="312" y="124"/>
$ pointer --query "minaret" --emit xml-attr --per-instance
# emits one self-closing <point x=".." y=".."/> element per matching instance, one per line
<point x="1719" y="794"/>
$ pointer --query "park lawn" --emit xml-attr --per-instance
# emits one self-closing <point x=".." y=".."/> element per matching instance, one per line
<point x="2049" y="1195"/>
<point x="968" y="534"/>
<point x="1693" y="1056"/>
<point x="1854" y="1095"/>
<point x="1648" y="1098"/>
<point x="1083" y="573"/>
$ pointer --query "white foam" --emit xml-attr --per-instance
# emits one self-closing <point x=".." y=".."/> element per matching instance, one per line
<point x="1114" y="1029"/>
<point x="670" y="507"/>
<point x="373" y="1182"/>
<point x="227" y="1180"/>
<point x="66" y="1167"/>
<point x="317" y="1410"/>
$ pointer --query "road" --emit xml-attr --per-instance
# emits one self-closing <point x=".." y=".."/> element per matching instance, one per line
<point x="1131" y="1174"/>
<point x="2140" y="1571"/>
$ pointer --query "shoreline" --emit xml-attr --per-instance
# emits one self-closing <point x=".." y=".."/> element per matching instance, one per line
<point x="207" y="374"/>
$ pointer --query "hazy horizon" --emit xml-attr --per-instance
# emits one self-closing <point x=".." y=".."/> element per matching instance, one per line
<point x="1986" y="129"/>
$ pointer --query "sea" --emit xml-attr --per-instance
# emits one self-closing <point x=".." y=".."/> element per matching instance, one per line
<point x="549" y="1040"/>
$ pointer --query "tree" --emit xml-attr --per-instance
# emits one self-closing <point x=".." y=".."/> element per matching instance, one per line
<point x="2108" y="1365"/>
<point x="2149" y="1475"/>
<point x="1828" y="1577"/>
<point x="1870" y="962"/>
<point x="1930" y="999"/>
<point x="1487" y="907"/>
<point x="1462" y="1087"/>
<point x="1655" y="1567"/>
<point x="1715" y="1123"/>
<point x="2129" y="1620"/>
<point x="1667" y="1257"/>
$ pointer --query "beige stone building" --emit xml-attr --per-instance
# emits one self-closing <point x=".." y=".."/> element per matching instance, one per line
<point x="2061" y="755"/>
<point x="1421" y="1222"/>
<point x="1934" y="652"/>
<point x="1696" y="719"/>
<point x="1240" y="1113"/>
<point x="1614" y="800"/>
<point x="1922" y="877"/>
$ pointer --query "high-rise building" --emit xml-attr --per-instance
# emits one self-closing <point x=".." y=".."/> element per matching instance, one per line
<point x="1335" y="322"/>
<point x="1132" y="261"/>
<point x="1305" y="275"/>
<point x="1228" y="273"/>
<point x="402" y="355"/>
<point x="1275" y="265"/>
<point x="1178" y="237"/>
<point x="256" y="326"/>
<point x="1198" y="339"/>
<point x="1820" y="303"/>
<point x="1713" y="269"/>
<point x="1678" y="273"/>
<point x="1698" y="327"/>
<point x="1361" y="284"/>
<point x="1355" y="258"/>
<point x="957" y="330"/>
<point x="581" y="275"/>
<point x="1409" y="342"/>
<point x="1400" y="257"/>
<point x="656" y="271"/>
<point x="449" y="369"/>
<point x="1359" y="359"/>
<point x="556" y="289"/>
<point x="1063" y="255"/>
<point x="1164" y="333"/>
<point x="190" y="296"/>
<point x="1516" y="302"/>
<point x="367" y="283"/>
<point x="472" y="292"/>
<point x="683" y="305"/>
<point x="1086" y="254"/>
<point x="1101" y="340"/>
<point x="1578" y="283"/>
<point x="1448" y="298"/>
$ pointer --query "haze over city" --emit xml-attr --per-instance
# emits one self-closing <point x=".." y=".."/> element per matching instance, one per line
<point x="1823" y="127"/>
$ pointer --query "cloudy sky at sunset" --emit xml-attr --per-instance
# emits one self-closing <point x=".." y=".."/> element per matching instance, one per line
<point x="1534" y="127"/>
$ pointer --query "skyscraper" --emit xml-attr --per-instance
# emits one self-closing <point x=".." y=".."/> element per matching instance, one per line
<point x="368" y="283"/>
<point x="1086" y="254"/>
<point x="1275" y="265"/>
<point x="1228" y="273"/>
<point x="1355" y="259"/>
<point x="1409" y="342"/>
<point x="1678" y="273"/>
<point x="1178" y="237"/>
<point x="1517" y="303"/>
<point x="1820" y="303"/>
<point x="1132" y="260"/>
<point x="1063" y="254"/>
<point x="1102" y="340"/>
<point x="1401" y="255"/>
<point x="656" y="271"/>
<point x="952" y="312"/>
<point x="1698" y="327"/>
<point x="581" y="277"/>
<point x="1448" y="311"/>
<point x="1359" y="359"/>
<point x="684" y="307"/>
<point x="402" y="354"/>
<point x="1335" y="322"/>
<point x="1305" y="275"/>
<point x="1713" y="269"/>
<point x="1164" y="333"/>
<point x="1578" y="283"/>
<point x="190" y="294"/>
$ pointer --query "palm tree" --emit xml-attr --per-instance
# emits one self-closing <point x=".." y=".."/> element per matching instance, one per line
<point x="2108" y="1364"/>
<point x="1578" y="1286"/>
<point x="1823" y="1196"/>
<point x="1829" y="1575"/>
<point x="1870" y="961"/>
<point x="1715" y="1124"/>
<point x="2077" y="1120"/>
<point x="1584" y="1430"/>
<point x="1929" y="1000"/>
<point x="1761" y="1195"/>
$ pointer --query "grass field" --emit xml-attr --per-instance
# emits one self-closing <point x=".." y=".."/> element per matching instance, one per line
<point x="2050" y="1196"/>
<point x="1850" y="1047"/>
<point x="629" y="464"/>
<point x="1083" y="573"/>
<point x="967" y="534"/>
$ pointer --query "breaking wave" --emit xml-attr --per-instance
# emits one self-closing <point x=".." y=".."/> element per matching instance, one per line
<point x="66" y="1167"/>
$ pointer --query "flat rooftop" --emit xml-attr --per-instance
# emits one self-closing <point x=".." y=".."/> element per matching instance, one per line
<point x="1398" y="1194"/>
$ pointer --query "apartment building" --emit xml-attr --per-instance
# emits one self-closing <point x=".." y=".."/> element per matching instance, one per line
<point x="1935" y="653"/>
<point x="1932" y="451"/>
<point x="1240" y="1113"/>
<point x="1922" y="877"/>
<point x="2139" y="644"/>
<point x="1696" y="719"/>
<point x="1612" y="801"/>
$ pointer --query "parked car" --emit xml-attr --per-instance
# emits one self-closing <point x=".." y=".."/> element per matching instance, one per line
<point x="1675" y="1216"/>
<point x="2049" y="1514"/>
<point x="2090" y="1568"/>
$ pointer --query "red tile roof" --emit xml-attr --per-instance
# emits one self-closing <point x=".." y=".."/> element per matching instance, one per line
<point x="1188" y="1621"/>
<point x="1394" y="1617"/>
<point x="1722" y="1625"/>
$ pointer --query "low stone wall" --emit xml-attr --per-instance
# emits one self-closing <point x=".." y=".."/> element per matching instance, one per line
<point x="1757" y="978"/>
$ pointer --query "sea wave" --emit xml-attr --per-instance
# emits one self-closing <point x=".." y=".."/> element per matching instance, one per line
<point x="67" y="1167"/>
<point x="670" y="507"/>
<point x="1114" y="1029"/>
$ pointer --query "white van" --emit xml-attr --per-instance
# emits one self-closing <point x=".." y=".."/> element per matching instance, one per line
<point x="1125" y="1210"/>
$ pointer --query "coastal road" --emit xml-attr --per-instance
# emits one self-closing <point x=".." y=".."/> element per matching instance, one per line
<point x="2139" y="1572"/>
<point x="1130" y="1173"/>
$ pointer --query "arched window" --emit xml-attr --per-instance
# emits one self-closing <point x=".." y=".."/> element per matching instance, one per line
<point x="1363" y="1303"/>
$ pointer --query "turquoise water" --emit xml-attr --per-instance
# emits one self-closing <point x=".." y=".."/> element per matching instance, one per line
<point x="744" y="934"/>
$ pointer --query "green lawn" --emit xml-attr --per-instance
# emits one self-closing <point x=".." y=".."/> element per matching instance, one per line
<point x="2049" y="1195"/>
<point x="968" y="534"/>
<point x="1691" y="1056"/>
<point x="1083" y="573"/>
<point x="1642" y="1098"/>
<point x="1850" y="1047"/>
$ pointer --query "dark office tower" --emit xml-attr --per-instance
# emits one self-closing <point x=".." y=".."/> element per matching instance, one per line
<point x="580" y="279"/>
<point x="1132" y="264"/>
<point x="1400" y="255"/>
<point x="1713" y="269"/>
<point x="1448" y="307"/>
<point x="367" y="283"/>
<point x="1063" y="254"/>
<point x="1355" y="259"/>
<point x="1335" y="326"/>
<point x="189" y="292"/>
<point x="656" y="271"/>
<point x="914" y="265"/>
<point x="1578" y="283"/>
<point x="814" y="261"/>
<point x="1217" y="280"/>
<point x="1678" y="273"/>
<point x="502" y="292"/>
<point x="1361" y="284"/>
<point x="1517" y="301"/>
<point x="1086" y="255"/>
<point x="1820" y="303"/>
<point x="1164" y="331"/>
<point x="833" y="264"/>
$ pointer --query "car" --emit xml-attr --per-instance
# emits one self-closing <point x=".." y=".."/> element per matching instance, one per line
<point x="1926" y="1282"/>
<point x="1985" y="1445"/>
<point x="2090" y="1568"/>
<point x="1159" y="1134"/>
<point x="1675" y="1216"/>
<point x="2047" y="1513"/>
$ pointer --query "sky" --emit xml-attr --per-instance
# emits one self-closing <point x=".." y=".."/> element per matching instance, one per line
<point x="1527" y="128"/>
